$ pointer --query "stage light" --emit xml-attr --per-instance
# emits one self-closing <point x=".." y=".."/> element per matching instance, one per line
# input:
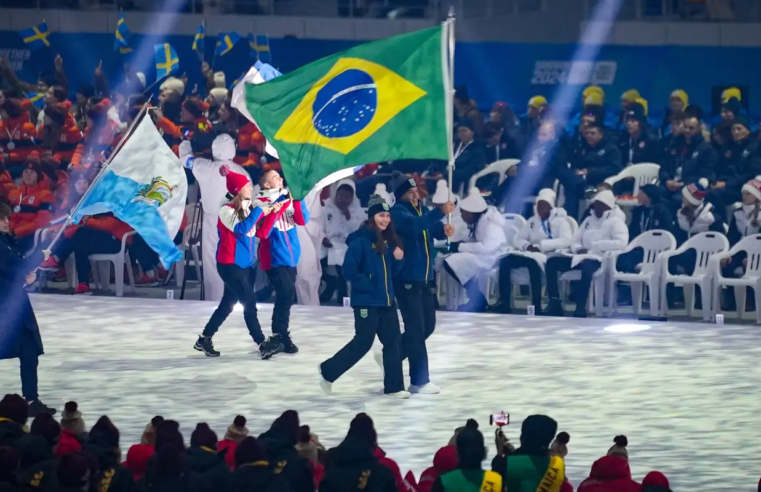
<point x="627" y="328"/>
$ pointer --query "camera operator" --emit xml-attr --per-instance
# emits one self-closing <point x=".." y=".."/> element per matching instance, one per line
<point x="19" y="333"/>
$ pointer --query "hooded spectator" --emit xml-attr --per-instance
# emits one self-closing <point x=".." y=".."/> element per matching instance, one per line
<point x="309" y="447"/>
<point x="73" y="473"/>
<point x="14" y="412"/>
<point x="203" y="458"/>
<point x="253" y="472"/>
<point x="103" y="444"/>
<point x="353" y="465"/>
<point x="71" y="419"/>
<point x="610" y="473"/>
<point x="655" y="481"/>
<point x="38" y="461"/>
<point x="444" y="461"/>
<point x="139" y="455"/>
<point x="236" y="433"/>
<point x="10" y="460"/>
<point x="280" y="441"/>
<point x="469" y="474"/>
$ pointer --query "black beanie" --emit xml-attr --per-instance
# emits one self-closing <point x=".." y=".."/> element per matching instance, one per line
<point x="375" y="205"/>
<point x="363" y="429"/>
<point x="733" y="105"/>
<point x="203" y="436"/>
<point x="741" y="120"/>
<point x="538" y="431"/>
<point x="401" y="184"/>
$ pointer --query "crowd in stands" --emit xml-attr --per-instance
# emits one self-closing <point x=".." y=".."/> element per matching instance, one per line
<point x="60" y="456"/>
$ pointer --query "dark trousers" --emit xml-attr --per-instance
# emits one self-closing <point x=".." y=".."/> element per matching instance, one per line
<point x="88" y="242"/>
<point x="28" y="359"/>
<point x="558" y="265"/>
<point x="239" y="286"/>
<point x="368" y="322"/>
<point x="283" y="280"/>
<point x="417" y="303"/>
<point x="507" y="265"/>
<point x="334" y="284"/>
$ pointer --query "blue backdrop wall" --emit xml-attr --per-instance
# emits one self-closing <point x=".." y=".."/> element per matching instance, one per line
<point x="491" y="71"/>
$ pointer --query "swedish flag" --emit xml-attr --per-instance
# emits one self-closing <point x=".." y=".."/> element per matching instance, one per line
<point x="166" y="60"/>
<point x="199" y="41"/>
<point x="225" y="42"/>
<point x="260" y="47"/>
<point x="36" y="37"/>
<point x="121" y="36"/>
<point x="37" y="99"/>
<point x="377" y="102"/>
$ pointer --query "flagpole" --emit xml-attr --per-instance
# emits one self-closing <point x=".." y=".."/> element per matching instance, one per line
<point x="448" y="62"/>
<point x="131" y="129"/>
<point x="150" y="87"/>
<point x="214" y="58"/>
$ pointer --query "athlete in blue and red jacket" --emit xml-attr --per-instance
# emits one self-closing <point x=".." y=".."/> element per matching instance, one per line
<point x="235" y="261"/>
<point x="279" y="250"/>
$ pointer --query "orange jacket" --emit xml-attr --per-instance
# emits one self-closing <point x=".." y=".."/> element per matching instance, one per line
<point x="91" y="149"/>
<point x="70" y="138"/>
<point x="18" y="133"/>
<point x="174" y="133"/>
<point x="32" y="207"/>
<point x="6" y="184"/>
<point x="250" y="145"/>
<point x="103" y="222"/>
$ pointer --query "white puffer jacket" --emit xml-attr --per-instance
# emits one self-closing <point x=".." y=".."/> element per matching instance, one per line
<point x="704" y="219"/>
<point x="599" y="235"/>
<point x="552" y="235"/>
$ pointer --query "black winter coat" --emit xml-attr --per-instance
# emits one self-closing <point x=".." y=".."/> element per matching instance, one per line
<point x="257" y="477"/>
<point x="38" y="464"/>
<point x="188" y="481"/>
<point x="210" y="465"/>
<point x="8" y="487"/>
<point x="19" y="325"/>
<point x="744" y="164"/>
<point x="286" y="462"/>
<point x="636" y="151"/>
<point x="112" y="476"/>
<point x="601" y="162"/>
<point x="696" y="159"/>
<point x="657" y="216"/>
<point x="352" y="466"/>
<point x="10" y="433"/>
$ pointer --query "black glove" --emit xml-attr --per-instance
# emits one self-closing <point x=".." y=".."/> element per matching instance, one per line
<point x="454" y="247"/>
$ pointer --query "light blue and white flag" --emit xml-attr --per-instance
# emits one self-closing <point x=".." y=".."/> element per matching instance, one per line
<point x="144" y="186"/>
<point x="258" y="74"/>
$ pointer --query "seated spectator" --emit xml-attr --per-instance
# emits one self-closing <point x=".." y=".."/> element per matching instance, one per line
<point x="73" y="431"/>
<point x="469" y="474"/>
<point x="652" y="212"/>
<point x="170" y="471"/>
<point x="203" y="458"/>
<point x="14" y="412"/>
<point x="604" y="230"/>
<point x="439" y="198"/>
<point x="466" y="109"/>
<point x="533" y="118"/>
<point x="592" y="95"/>
<point x="471" y="258"/>
<point x="469" y="154"/>
<point x="139" y="455"/>
<point x="511" y="139"/>
<point x="688" y="159"/>
<point x="73" y="473"/>
<point x="236" y="432"/>
<point x="309" y="448"/>
<point x="57" y="180"/>
<point x="98" y="136"/>
<point x="10" y="459"/>
<point x="59" y="134"/>
<point x="548" y="230"/>
<point x="445" y="460"/>
<point x="103" y="444"/>
<point x="17" y="133"/>
<point x="696" y="215"/>
<point x="677" y="102"/>
<point x="32" y="203"/>
<point x="744" y="165"/>
<point x="635" y="143"/>
<point x="531" y="467"/>
<point x="342" y="215"/>
<point x="655" y="481"/>
<point x="6" y="182"/>
<point x="38" y="461"/>
<point x="280" y="441"/>
<point x="253" y="472"/>
<point x="353" y="465"/>
<point x="731" y="109"/>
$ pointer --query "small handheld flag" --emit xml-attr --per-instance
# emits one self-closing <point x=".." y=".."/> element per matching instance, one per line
<point x="166" y="60"/>
<point x="199" y="41"/>
<point x="260" y="47"/>
<point x="121" y="36"/>
<point x="37" y="99"/>
<point x="226" y="42"/>
<point x="36" y="37"/>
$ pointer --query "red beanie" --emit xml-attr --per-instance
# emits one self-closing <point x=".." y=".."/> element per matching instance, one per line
<point x="235" y="181"/>
<point x="655" y="478"/>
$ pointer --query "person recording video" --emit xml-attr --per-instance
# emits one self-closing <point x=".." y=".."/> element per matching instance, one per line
<point x="19" y="333"/>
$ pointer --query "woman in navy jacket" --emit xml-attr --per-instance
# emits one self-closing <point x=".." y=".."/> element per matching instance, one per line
<point x="373" y="258"/>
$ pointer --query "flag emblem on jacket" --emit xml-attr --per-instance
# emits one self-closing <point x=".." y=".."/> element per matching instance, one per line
<point x="363" y="313"/>
<point x="156" y="193"/>
<point x="348" y="105"/>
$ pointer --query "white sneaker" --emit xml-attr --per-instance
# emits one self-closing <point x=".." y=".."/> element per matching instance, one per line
<point x="326" y="385"/>
<point x="378" y="356"/>
<point x="399" y="395"/>
<point x="426" y="389"/>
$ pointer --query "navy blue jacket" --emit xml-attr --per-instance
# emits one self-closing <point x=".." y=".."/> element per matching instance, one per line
<point x="697" y="159"/>
<point x="371" y="275"/>
<point x="417" y="228"/>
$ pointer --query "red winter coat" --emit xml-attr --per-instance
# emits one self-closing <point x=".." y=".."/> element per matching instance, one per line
<point x="445" y="460"/>
<point x="230" y="446"/>
<point x="391" y="465"/>
<point x="67" y="443"/>
<point x="137" y="459"/>
<point x="610" y="474"/>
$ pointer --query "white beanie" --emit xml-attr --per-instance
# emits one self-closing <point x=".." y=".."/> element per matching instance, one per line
<point x="141" y="77"/>
<point x="474" y="202"/>
<point x="754" y="187"/>
<point x="223" y="148"/>
<point x="380" y="189"/>
<point x="607" y="197"/>
<point x="441" y="195"/>
<point x="219" y="80"/>
<point x="546" y="195"/>
<point x="218" y="94"/>
<point x="173" y="84"/>
<point x="695" y="193"/>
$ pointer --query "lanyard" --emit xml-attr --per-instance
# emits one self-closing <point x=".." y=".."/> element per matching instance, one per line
<point x="631" y="151"/>
<point x="460" y="149"/>
<point x="547" y="228"/>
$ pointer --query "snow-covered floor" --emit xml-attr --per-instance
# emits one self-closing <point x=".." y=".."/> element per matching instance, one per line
<point x="685" y="394"/>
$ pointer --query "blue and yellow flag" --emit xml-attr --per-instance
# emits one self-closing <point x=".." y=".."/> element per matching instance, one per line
<point x="199" y="41"/>
<point x="36" y="37"/>
<point x="381" y="101"/>
<point x="37" y="99"/>
<point x="166" y="60"/>
<point x="121" y="36"/>
<point x="260" y="47"/>
<point x="225" y="42"/>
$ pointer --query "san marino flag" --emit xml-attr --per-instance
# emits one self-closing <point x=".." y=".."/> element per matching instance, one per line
<point x="144" y="186"/>
<point x="380" y="101"/>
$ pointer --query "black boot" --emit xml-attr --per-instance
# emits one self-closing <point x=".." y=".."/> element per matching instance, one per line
<point x="500" y="307"/>
<point x="36" y="407"/>
<point x="205" y="345"/>
<point x="554" y="308"/>
<point x="270" y="347"/>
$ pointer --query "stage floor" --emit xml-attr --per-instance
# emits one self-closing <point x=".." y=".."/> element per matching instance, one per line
<point x="686" y="395"/>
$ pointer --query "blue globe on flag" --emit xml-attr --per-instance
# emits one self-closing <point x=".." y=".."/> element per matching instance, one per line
<point x="346" y="104"/>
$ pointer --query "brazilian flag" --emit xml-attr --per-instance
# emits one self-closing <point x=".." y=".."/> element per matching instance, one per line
<point x="377" y="102"/>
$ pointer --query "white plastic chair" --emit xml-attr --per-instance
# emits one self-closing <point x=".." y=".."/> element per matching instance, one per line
<point x="751" y="278"/>
<point x="103" y="261"/>
<point x="644" y="173"/>
<point x="193" y="213"/>
<point x="705" y="244"/>
<point x="596" y="299"/>
<point x="498" y="167"/>
<point x="648" y="272"/>
<point x="492" y="277"/>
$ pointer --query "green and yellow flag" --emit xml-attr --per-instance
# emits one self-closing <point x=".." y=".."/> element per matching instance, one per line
<point x="380" y="101"/>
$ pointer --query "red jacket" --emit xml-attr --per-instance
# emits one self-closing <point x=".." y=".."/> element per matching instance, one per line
<point x="250" y="146"/>
<point x="391" y="465"/>
<point x="230" y="446"/>
<point x="105" y="223"/>
<point x="610" y="474"/>
<point x="32" y="209"/>
<point x="6" y="184"/>
<point x="68" y="141"/>
<point x="92" y="147"/>
<point x="21" y="133"/>
<point x="67" y="443"/>
<point x="137" y="459"/>
<point x="445" y="460"/>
